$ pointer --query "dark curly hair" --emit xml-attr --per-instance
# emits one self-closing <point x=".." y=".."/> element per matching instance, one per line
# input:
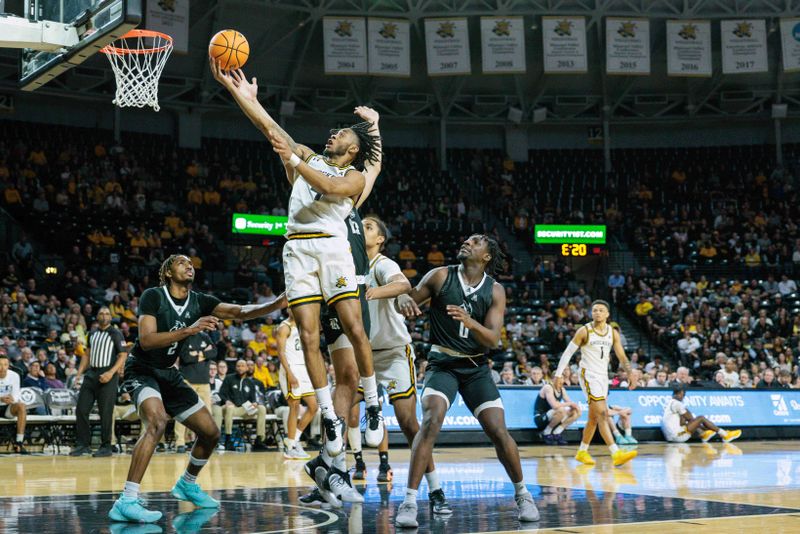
<point x="497" y="263"/>
<point x="165" y="267"/>
<point x="369" y="144"/>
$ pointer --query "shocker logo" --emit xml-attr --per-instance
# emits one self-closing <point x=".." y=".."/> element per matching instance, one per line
<point x="388" y="30"/>
<point x="344" y="28"/>
<point x="167" y="5"/>
<point x="563" y="28"/>
<point x="341" y="282"/>
<point x="743" y="29"/>
<point x="447" y="30"/>
<point x="627" y="29"/>
<point x="502" y="28"/>
<point x="688" y="32"/>
<point x="392" y="385"/>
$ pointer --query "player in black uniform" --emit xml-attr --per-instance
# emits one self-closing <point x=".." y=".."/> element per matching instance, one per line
<point x="168" y="316"/>
<point x="554" y="411"/>
<point x="467" y="308"/>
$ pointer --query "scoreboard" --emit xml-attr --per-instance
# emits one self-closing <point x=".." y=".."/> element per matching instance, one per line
<point x="572" y="240"/>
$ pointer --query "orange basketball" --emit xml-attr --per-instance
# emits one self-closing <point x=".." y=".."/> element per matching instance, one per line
<point x="230" y="49"/>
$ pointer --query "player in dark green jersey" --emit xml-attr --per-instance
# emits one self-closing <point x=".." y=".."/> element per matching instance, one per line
<point x="467" y="308"/>
<point x="168" y="316"/>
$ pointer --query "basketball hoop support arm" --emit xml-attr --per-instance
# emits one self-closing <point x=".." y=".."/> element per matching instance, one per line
<point x="48" y="36"/>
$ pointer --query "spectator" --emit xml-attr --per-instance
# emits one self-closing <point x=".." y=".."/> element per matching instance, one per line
<point x="784" y="379"/>
<point x="660" y="380"/>
<point x="768" y="382"/>
<point x="744" y="379"/>
<point x="730" y="374"/>
<point x="35" y="377"/>
<point x="435" y="256"/>
<point x="786" y="286"/>
<point x="507" y="377"/>
<point x="50" y="377"/>
<point x="536" y="376"/>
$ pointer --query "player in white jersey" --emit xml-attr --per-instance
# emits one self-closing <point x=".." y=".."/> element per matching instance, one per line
<point x="296" y="386"/>
<point x="317" y="263"/>
<point x="678" y="424"/>
<point x="596" y="340"/>
<point x="10" y="404"/>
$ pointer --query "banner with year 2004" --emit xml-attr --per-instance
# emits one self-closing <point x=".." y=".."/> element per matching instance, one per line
<point x="389" y="47"/>
<point x="503" y="45"/>
<point x="688" y="48"/>
<point x="744" y="46"/>
<point x="627" y="46"/>
<point x="564" y="43"/>
<point x="447" y="46"/>
<point x="345" y="41"/>
<point x="790" y="39"/>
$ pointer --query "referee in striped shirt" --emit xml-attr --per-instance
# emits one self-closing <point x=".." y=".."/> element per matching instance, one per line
<point x="100" y="369"/>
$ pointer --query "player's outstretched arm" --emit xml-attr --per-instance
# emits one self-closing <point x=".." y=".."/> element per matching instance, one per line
<point x="408" y="304"/>
<point x="578" y="339"/>
<point x="488" y="333"/>
<point x="619" y="350"/>
<point x="226" y="310"/>
<point x="150" y="338"/>
<point x="371" y="168"/>
<point x="246" y="96"/>
<point x="349" y="185"/>
<point x="398" y="285"/>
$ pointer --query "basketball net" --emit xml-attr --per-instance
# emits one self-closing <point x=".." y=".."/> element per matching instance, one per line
<point x="138" y="57"/>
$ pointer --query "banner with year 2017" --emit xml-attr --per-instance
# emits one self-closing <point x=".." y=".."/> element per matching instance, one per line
<point x="447" y="46"/>
<point x="744" y="46"/>
<point x="627" y="46"/>
<point x="345" y="41"/>
<point x="389" y="47"/>
<point x="689" y="48"/>
<point x="171" y="18"/>
<point x="790" y="39"/>
<point x="503" y="45"/>
<point x="564" y="43"/>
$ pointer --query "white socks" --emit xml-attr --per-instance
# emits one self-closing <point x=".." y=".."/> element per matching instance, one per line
<point x="20" y="438"/>
<point x="411" y="496"/>
<point x="520" y="488"/>
<point x="325" y="402"/>
<point x="558" y="430"/>
<point x="584" y="446"/>
<point x="189" y="478"/>
<point x="433" y="481"/>
<point x="131" y="490"/>
<point x="354" y="438"/>
<point x="613" y="448"/>
<point x="548" y="430"/>
<point x="722" y="433"/>
<point x="629" y="432"/>
<point x="370" y="386"/>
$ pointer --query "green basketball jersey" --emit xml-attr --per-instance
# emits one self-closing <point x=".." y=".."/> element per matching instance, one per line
<point x="477" y="300"/>
<point x="170" y="314"/>
<point x="358" y="245"/>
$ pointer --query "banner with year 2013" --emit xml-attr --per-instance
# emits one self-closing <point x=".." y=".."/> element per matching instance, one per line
<point x="345" y="41"/>
<point x="744" y="46"/>
<point x="564" y="43"/>
<point x="688" y="48"/>
<point x="447" y="46"/>
<point x="389" y="47"/>
<point x="790" y="39"/>
<point x="503" y="45"/>
<point x="627" y="46"/>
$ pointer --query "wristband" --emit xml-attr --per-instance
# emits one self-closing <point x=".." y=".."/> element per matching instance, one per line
<point x="295" y="160"/>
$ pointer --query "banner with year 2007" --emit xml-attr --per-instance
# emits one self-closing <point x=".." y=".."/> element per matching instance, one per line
<point x="744" y="46"/>
<point x="389" y="47"/>
<point x="790" y="39"/>
<point x="627" y="46"/>
<point x="503" y="45"/>
<point x="447" y="46"/>
<point x="564" y="42"/>
<point x="688" y="48"/>
<point x="345" y="41"/>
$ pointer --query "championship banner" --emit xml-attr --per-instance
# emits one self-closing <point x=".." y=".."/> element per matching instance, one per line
<point x="790" y="39"/>
<point x="447" y="45"/>
<point x="389" y="47"/>
<point x="689" y="48"/>
<point x="503" y="45"/>
<point x="744" y="46"/>
<point x="564" y="43"/>
<point x="170" y="17"/>
<point x="345" y="45"/>
<point x="732" y="408"/>
<point x="627" y="46"/>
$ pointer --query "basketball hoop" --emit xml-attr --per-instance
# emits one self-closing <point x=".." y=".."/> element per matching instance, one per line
<point x="138" y="57"/>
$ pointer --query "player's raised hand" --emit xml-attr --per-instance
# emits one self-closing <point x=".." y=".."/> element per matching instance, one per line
<point x="280" y="146"/>
<point x="204" y="324"/>
<point x="368" y="114"/>
<point x="407" y="307"/>
<point x="247" y="89"/>
<point x="220" y="75"/>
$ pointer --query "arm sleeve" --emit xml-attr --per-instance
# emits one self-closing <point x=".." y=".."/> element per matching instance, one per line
<point x="207" y="303"/>
<point x="149" y="303"/>
<point x="385" y="269"/>
<point x="566" y="357"/>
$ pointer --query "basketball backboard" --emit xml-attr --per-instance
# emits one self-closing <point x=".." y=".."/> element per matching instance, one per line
<point x="97" y="22"/>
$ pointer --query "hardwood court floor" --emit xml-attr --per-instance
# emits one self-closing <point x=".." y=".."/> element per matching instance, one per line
<point x="749" y="486"/>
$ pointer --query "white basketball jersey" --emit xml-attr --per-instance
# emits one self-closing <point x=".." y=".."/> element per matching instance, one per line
<point x="595" y="353"/>
<point x="293" y="349"/>
<point x="313" y="212"/>
<point x="387" y="327"/>
<point x="671" y="422"/>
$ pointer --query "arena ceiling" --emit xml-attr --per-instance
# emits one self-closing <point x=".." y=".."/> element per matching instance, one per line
<point x="287" y="57"/>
